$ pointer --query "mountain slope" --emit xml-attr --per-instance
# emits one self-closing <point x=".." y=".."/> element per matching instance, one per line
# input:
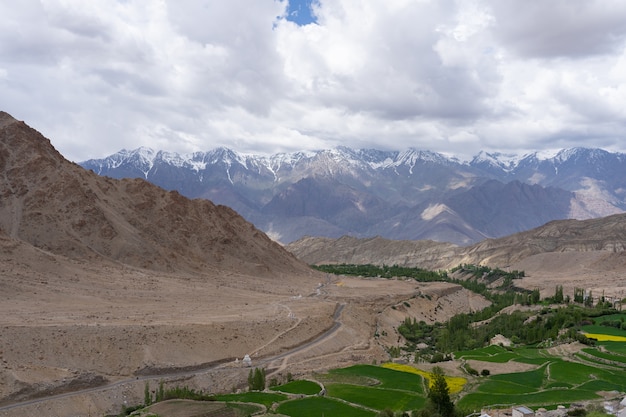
<point x="61" y="208"/>
<point x="606" y="235"/>
<point x="411" y="194"/>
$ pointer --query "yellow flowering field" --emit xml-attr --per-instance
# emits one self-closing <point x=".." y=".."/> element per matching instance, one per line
<point x="455" y="383"/>
<point x="605" y="337"/>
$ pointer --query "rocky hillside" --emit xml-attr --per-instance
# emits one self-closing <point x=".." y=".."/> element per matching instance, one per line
<point x="61" y="208"/>
<point x="607" y="235"/>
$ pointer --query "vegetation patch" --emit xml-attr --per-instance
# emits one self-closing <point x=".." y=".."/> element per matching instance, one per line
<point x="605" y="337"/>
<point x="299" y="387"/>
<point x="377" y="398"/>
<point x="605" y="356"/>
<point x="380" y="376"/>
<point x="264" y="398"/>
<point x="320" y="407"/>
<point x="455" y="383"/>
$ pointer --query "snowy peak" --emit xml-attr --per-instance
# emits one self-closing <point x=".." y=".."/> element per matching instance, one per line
<point x="344" y="160"/>
<point x="496" y="160"/>
<point x="408" y="194"/>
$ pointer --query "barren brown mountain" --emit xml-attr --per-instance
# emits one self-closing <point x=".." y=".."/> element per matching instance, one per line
<point x="106" y="285"/>
<point x="59" y="207"/>
<point x="587" y="254"/>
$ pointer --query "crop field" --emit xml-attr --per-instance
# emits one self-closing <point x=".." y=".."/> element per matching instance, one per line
<point x="256" y="397"/>
<point x="377" y="398"/>
<point x="499" y="354"/>
<point x="600" y="337"/>
<point x="554" y="381"/>
<point x="609" y="317"/>
<point x="604" y="330"/>
<point x="381" y="376"/>
<point x="298" y="387"/>
<point x="455" y="384"/>
<point x="320" y="407"/>
<point x="365" y="390"/>
<point x="607" y="356"/>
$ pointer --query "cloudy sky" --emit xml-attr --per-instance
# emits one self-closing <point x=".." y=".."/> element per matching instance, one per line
<point x="267" y="76"/>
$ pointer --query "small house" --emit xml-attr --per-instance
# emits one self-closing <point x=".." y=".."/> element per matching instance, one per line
<point x="522" y="411"/>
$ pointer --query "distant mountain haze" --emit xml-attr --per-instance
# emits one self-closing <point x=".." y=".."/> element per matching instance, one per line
<point x="411" y="194"/>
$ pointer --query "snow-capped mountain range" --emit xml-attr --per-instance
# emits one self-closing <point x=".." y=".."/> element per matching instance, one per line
<point x="409" y="194"/>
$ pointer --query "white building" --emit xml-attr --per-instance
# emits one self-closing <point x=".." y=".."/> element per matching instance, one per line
<point x="247" y="362"/>
<point x="522" y="411"/>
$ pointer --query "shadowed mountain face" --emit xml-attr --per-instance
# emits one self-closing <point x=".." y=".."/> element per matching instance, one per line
<point x="397" y="195"/>
<point x="61" y="208"/>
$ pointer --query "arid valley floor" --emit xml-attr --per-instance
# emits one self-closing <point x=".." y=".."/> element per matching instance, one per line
<point x="139" y="326"/>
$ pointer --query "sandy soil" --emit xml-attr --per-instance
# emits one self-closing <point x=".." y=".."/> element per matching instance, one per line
<point x="67" y="326"/>
<point x="87" y="325"/>
<point x="601" y="272"/>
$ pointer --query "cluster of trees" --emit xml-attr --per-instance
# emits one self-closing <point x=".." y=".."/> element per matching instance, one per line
<point x="385" y="271"/>
<point x="528" y="328"/>
<point x="460" y="332"/>
<point x="256" y="379"/>
<point x="162" y="394"/>
<point x="487" y="273"/>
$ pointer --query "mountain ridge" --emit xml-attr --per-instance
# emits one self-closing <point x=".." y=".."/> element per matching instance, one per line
<point x="383" y="188"/>
<point x="602" y="235"/>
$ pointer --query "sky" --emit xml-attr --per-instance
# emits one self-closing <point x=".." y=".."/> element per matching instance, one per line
<point x="269" y="76"/>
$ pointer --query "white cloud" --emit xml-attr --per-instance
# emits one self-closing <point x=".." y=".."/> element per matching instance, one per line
<point x="454" y="76"/>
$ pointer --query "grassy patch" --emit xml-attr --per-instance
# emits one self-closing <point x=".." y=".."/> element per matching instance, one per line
<point x="369" y="375"/>
<point x="615" y="347"/>
<point x="604" y="355"/>
<point x="530" y="379"/>
<point x="504" y="387"/>
<point x="610" y="317"/>
<point x="299" y="387"/>
<point x="320" y="407"/>
<point x="265" y="398"/>
<point x="480" y="353"/>
<point x="455" y="383"/>
<point x="604" y="330"/>
<point x="554" y="396"/>
<point x="376" y="398"/>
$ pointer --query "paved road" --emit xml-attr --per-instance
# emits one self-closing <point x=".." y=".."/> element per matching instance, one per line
<point x="183" y="373"/>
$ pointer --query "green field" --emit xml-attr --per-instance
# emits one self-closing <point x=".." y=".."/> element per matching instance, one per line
<point x="499" y="354"/>
<point x="364" y="390"/>
<point x="264" y="398"/>
<point x="299" y="387"/>
<point x="615" y="347"/>
<point x="377" y="398"/>
<point x="594" y="328"/>
<point x="554" y="381"/>
<point x="610" y="317"/>
<point x="321" y="407"/>
<point x="370" y="375"/>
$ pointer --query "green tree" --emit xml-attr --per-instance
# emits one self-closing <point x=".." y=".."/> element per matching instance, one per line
<point x="439" y="394"/>
<point x="256" y="379"/>
<point x="160" y="393"/>
<point x="589" y="300"/>
<point x="558" y="294"/>
<point x="147" y="397"/>
<point x="579" y="295"/>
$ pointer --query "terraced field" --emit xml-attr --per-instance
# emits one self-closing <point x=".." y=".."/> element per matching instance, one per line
<point x="554" y="381"/>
